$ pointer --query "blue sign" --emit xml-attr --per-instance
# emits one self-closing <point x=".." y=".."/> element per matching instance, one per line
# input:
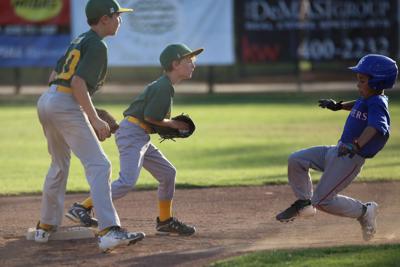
<point x="32" y="51"/>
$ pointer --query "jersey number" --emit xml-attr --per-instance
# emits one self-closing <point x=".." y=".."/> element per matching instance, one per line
<point x="70" y="64"/>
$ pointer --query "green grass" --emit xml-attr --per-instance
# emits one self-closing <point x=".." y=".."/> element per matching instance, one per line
<point x="240" y="140"/>
<point x="354" y="256"/>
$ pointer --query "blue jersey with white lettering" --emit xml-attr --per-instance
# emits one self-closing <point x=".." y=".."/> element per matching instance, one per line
<point x="373" y="112"/>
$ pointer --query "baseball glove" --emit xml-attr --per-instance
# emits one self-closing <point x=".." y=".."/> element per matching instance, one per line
<point x="107" y="117"/>
<point x="171" y="133"/>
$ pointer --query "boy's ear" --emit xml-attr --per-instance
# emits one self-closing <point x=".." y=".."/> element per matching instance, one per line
<point x="175" y="64"/>
<point x="104" y="19"/>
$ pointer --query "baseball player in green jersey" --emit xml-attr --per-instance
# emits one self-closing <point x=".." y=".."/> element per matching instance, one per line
<point x="70" y="121"/>
<point x="152" y="106"/>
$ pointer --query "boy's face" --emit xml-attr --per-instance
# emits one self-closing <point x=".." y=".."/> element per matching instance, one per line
<point x="112" y="23"/>
<point x="362" y="85"/>
<point x="185" y="67"/>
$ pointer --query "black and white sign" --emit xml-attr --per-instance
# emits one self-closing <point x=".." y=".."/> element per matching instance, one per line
<point x="285" y="30"/>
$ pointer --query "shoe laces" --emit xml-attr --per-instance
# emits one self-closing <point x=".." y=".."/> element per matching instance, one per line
<point x="83" y="212"/>
<point x="177" y="224"/>
<point x="117" y="232"/>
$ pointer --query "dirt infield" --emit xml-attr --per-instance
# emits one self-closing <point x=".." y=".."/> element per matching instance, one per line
<point x="229" y="221"/>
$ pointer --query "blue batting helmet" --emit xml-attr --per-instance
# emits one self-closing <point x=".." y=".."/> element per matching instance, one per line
<point x="381" y="69"/>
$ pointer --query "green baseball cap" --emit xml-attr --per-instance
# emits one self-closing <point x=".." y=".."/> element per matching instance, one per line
<point x="98" y="8"/>
<point x="176" y="52"/>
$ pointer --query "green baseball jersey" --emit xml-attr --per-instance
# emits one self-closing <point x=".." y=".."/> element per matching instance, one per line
<point x="86" y="57"/>
<point x="155" y="101"/>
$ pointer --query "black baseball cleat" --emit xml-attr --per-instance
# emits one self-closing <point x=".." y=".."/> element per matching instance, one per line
<point x="298" y="208"/>
<point x="81" y="215"/>
<point x="174" y="226"/>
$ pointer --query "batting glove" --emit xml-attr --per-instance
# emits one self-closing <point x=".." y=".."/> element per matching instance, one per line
<point x="348" y="149"/>
<point x="330" y="104"/>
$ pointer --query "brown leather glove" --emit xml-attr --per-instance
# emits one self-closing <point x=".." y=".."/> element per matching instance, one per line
<point x="107" y="117"/>
<point x="171" y="133"/>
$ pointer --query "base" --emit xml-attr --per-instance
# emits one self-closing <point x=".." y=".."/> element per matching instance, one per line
<point x="70" y="233"/>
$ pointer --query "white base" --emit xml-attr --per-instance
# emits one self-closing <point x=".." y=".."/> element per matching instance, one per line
<point x="69" y="233"/>
<point x="307" y="212"/>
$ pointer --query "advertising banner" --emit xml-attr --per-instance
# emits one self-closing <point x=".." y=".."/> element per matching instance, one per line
<point x="317" y="30"/>
<point x="33" y="33"/>
<point x="156" y="23"/>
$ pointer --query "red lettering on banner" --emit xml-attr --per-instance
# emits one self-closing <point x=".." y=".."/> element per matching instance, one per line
<point x="259" y="53"/>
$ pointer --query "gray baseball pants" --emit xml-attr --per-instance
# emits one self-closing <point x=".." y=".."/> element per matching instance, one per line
<point x="338" y="173"/>
<point x="136" y="151"/>
<point x="67" y="128"/>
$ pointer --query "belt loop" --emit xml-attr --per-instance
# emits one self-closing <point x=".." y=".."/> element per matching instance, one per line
<point x="53" y="88"/>
<point x="59" y="88"/>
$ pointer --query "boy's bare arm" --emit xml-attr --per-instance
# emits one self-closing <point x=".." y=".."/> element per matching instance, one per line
<point x="80" y="92"/>
<point x="52" y="76"/>
<point x="168" y="123"/>
<point x="366" y="136"/>
<point x="348" y="105"/>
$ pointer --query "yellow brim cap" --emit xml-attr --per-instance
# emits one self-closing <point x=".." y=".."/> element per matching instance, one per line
<point x="122" y="9"/>
<point x="194" y="52"/>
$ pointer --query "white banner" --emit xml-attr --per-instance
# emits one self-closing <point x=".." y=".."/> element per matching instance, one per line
<point x="156" y="23"/>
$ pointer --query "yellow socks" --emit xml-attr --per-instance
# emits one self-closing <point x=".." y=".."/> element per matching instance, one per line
<point x="87" y="203"/>
<point x="104" y="231"/>
<point x="46" y="227"/>
<point x="165" y="209"/>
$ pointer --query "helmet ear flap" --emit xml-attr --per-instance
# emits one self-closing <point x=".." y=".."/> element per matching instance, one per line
<point x="376" y="85"/>
<point x="382" y="82"/>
